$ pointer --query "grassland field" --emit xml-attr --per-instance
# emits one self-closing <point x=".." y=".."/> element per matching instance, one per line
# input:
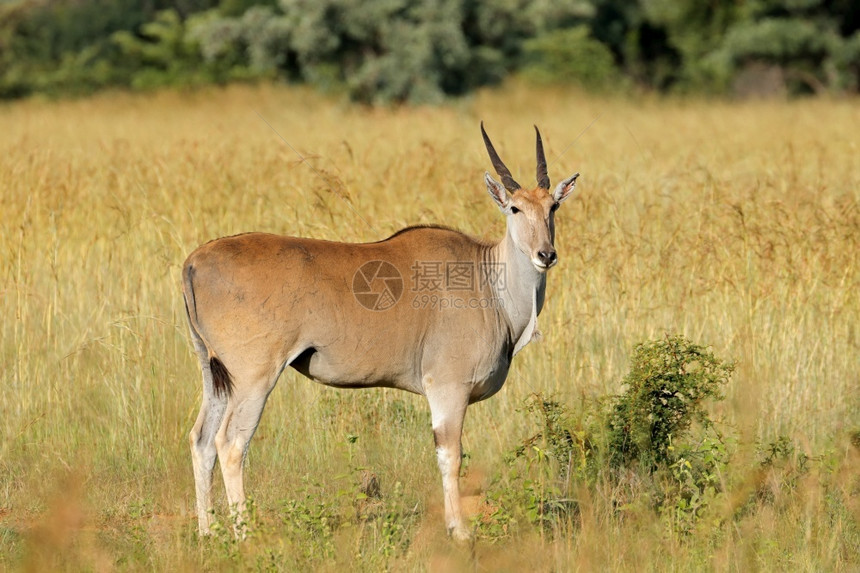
<point x="735" y="224"/>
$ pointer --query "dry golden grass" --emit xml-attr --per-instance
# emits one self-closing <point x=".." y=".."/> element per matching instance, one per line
<point x="735" y="224"/>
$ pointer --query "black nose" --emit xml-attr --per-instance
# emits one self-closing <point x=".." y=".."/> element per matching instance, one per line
<point x="548" y="258"/>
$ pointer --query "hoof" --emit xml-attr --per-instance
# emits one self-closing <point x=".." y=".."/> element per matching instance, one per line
<point x="461" y="534"/>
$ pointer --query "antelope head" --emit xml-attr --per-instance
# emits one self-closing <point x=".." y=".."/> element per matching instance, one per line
<point x="530" y="212"/>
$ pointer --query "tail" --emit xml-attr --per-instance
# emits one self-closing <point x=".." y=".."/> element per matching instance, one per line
<point x="222" y="380"/>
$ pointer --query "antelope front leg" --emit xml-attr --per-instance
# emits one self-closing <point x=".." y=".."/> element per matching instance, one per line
<point x="448" y="412"/>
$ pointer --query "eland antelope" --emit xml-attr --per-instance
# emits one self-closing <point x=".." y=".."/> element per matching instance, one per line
<point x="429" y="310"/>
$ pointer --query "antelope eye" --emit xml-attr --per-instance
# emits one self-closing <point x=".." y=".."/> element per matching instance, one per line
<point x="514" y="210"/>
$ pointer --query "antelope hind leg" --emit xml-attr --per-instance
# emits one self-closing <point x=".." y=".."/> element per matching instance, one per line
<point x="237" y="428"/>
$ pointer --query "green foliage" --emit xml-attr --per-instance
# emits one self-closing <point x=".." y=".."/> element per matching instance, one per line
<point x="562" y="437"/>
<point x="786" y="466"/>
<point x="224" y="535"/>
<point x="561" y="452"/>
<point x="692" y="483"/>
<point x="652" y="448"/>
<point x="777" y="39"/>
<point x="811" y="52"/>
<point x="498" y="522"/>
<point x="386" y="51"/>
<point x="162" y="54"/>
<point x="570" y="56"/>
<point x="660" y="427"/>
<point x="255" y="44"/>
<point x="395" y="50"/>
<point x="693" y="32"/>
<point x="66" y="47"/>
<point x="234" y="8"/>
<point x="812" y="42"/>
<point x="655" y="441"/>
<point x="314" y="522"/>
<point x="667" y="387"/>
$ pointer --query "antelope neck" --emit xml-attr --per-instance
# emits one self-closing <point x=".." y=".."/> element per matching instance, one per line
<point x="522" y="290"/>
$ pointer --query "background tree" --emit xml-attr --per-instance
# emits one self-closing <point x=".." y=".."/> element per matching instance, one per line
<point x="396" y="50"/>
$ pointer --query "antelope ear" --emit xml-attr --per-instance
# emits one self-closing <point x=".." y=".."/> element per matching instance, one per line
<point x="565" y="188"/>
<point x="497" y="192"/>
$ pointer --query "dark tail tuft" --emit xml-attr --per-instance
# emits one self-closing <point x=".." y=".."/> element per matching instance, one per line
<point x="222" y="382"/>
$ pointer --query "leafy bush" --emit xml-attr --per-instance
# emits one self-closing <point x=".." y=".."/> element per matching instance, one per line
<point x="667" y="387"/>
<point x="161" y="54"/>
<point x="314" y="521"/>
<point x="693" y="32"/>
<point x="655" y="441"/>
<point x="255" y="44"/>
<point x="571" y="56"/>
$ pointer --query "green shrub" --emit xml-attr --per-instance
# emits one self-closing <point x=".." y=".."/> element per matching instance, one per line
<point x="654" y="443"/>
<point x="312" y="521"/>
<point x="570" y="56"/>
<point x="667" y="387"/>
<point x="162" y="54"/>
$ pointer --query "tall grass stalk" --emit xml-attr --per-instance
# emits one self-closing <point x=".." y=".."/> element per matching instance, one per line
<point x="735" y="224"/>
